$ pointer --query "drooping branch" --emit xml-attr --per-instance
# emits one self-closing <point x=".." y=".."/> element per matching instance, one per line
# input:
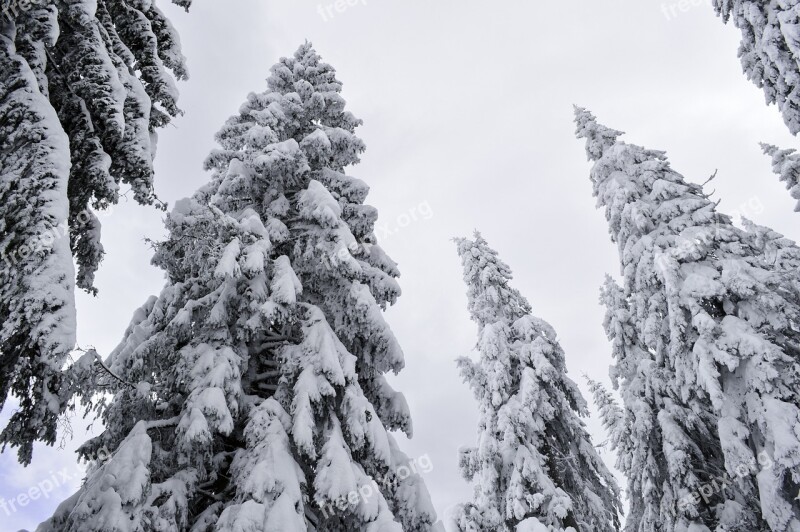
<point x="162" y="423"/>
<point x="267" y="375"/>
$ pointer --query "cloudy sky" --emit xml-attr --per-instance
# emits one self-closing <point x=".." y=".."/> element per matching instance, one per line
<point x="467" y="110"/>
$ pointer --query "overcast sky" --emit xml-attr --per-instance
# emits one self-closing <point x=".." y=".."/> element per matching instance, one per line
<point x="467" y="110"/>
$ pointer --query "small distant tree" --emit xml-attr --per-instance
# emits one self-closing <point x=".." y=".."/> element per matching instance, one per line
<point x="611" y="415"/>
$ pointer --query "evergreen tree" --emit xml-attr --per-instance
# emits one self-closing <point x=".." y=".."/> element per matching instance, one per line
<point x="786" y="164"/>
<point x="37" y="308"/>
<point x="708" y="326"/>
<point x="534" y="467"/>
<point x="611" y="415"/>
<point x="666" y="447"/>
<point x="104" y="66"/>
<point x="250" y="395"/>
<point x="96" y="74"/>
<point x="769" y="50"/>
<point x="777" y="250"/>
<point x="106" y="74"/>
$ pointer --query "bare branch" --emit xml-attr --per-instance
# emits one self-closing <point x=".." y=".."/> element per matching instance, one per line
<point x="102" y="364"/>
<point x="710" y="179"/>
<point x="161" y="423"/>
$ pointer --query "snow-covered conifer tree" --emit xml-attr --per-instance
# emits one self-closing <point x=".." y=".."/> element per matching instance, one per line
<point x="86" y="86"/>
<point x="666" y="448"/>
<point x="250" y="395"/>
<point x="534" y="467"/>
<point x="786" y="164"/>
<point x="611" y="415"/>
<point x="781" y="252"/>
<point x="769" y="50"/>
<point x="778" y="250"/>
<point x="104" y="67"/>
<point x="37" y="308"/>
<point x="707" y="346"/>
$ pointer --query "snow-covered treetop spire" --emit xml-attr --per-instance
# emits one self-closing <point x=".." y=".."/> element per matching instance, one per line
<point x="305" y="64"/>
<point x="487" y="276"/>
<point x="626" y="173"/>
<point x="786" y="164"/>
<point x="598" y="137"/>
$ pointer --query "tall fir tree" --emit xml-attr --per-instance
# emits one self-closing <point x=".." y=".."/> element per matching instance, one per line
<point x="709" y="326"/>
<point x="786" y="164"/>
<point x="534" y="466"/>
<point x="97" y="72"/>
<point x="769" y="50"/>
<point x="251" y="394"/>
<point x="666" y="446"/>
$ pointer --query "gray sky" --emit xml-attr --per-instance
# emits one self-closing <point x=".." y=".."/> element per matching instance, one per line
<point x="468" y="124"/>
